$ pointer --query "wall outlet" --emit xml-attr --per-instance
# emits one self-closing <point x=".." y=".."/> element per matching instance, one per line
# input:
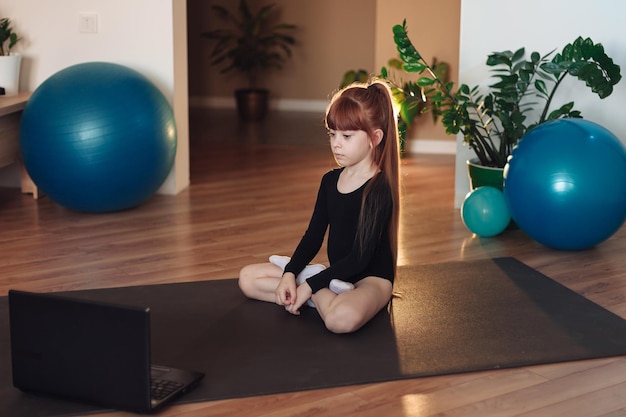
<point x="88" y="23"/>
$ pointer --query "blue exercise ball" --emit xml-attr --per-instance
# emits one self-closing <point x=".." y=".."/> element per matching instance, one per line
<point x="484" y="211"/>
<point x="98" y="137"/>
<point x="565" y="184"/>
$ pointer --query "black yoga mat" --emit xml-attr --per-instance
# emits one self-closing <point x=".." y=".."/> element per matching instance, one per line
<point x="449" y="318"/>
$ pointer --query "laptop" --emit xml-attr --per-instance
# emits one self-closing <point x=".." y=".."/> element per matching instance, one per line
<point x="89" y="351"/>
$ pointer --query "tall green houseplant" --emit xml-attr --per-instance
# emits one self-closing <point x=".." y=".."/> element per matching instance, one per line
<point x="252" y="45"/>
<point x="493" y="122"/>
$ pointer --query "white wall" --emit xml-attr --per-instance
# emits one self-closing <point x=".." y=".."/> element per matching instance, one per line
<point x="146" y="35"/>
<point x="540" y="25"/>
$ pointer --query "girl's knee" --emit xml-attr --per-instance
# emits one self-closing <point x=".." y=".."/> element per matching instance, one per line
<point x="246" y="279"/>
<point x="245" y="272"/>
<point x="343" y="319"/>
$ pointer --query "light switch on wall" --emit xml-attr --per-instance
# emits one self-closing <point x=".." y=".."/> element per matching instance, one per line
<point x="88" y="23"/>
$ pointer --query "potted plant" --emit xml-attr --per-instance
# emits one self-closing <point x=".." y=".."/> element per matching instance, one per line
<point x="409" y="97"/>
<point x="9" y="62"/>
<point x="253" y="44"/>
<point x="492" y="122"/>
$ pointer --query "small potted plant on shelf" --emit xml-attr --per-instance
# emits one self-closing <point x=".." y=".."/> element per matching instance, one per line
<point x="9" y="62"/>
<point x="492" y="122"/>
<point x="8" y="38"/>
<point x="252" y="45"/>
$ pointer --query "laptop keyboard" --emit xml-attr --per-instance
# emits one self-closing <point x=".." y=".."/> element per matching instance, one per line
<point x="161" y="388"/>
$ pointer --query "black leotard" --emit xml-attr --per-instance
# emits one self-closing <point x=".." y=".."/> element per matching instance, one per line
<point x="341" y="213"/>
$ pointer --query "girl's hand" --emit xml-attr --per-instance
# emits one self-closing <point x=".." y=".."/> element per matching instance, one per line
<point x="303" y="292"/>
<point x="286" y="290"/>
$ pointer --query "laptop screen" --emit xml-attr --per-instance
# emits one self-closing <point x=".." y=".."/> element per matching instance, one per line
<point x="84" y="350"/>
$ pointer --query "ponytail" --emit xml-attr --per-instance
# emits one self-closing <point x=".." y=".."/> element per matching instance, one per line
<point x="369" y="107"/>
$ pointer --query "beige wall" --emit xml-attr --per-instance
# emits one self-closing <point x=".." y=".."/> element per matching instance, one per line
<point x="333" y="37"/>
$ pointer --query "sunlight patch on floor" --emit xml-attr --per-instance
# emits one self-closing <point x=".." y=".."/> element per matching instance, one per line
<point x="415" y="404"/>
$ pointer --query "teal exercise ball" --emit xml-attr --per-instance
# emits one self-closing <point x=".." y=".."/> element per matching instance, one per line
<point x="484" y="211"/>
<point x="565" y="184"/>
<point x="98" y="137"/>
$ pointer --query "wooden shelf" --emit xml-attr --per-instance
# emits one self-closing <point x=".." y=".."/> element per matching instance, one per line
<point x="13" y="104"/>
<point x="10" y="115"/>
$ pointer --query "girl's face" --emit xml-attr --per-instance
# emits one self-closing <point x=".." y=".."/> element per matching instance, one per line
<point x="350" y="147"/>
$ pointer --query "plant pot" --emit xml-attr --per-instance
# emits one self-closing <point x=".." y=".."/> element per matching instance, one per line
<point x="480" y="176"/>
<point x="252" y="104"/>
<point x="10" y="74"/>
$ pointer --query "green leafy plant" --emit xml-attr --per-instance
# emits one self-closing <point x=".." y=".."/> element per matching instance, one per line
<point x="354" y="76"/>
<point x="252" y="44"/>
<point x="412" y="98"/>
<point x="493" y="122"/>
<point x="8" y="38"/>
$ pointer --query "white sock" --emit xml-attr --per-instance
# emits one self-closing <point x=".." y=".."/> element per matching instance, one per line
<point x="280" y="261"/>
<point x="308" y="271"/>
<point x="336" y="285"/>
<point x="339" y="287"/>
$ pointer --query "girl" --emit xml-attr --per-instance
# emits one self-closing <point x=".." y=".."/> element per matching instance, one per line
<point x="359" y="203"/>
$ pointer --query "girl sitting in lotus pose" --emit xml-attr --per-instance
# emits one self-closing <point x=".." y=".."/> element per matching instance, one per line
<point x="359" y="204"/>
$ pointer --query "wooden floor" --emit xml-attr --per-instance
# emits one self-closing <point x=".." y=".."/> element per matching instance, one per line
<point x="253" y="188"/>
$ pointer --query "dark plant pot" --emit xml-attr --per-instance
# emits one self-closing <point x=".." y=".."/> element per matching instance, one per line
<point x="252" y="104"/>
<point x="481" y="176"/>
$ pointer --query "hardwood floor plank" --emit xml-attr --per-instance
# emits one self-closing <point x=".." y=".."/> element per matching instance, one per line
<point x="591" y="404"/>
<point x="560" y="370"/>
<point x="540" y="396"/>
<point x="422" y="400"/>
<point x="617" y="413"/>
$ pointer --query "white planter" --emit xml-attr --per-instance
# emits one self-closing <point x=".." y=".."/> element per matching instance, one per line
<point x="10" y="73"/>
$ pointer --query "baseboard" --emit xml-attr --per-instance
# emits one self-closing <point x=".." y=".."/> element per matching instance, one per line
<point x="212" y="102"/>
<point x="432" y="146"/>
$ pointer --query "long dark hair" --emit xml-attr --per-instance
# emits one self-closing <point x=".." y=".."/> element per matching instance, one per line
<point x="369" y="107"/>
